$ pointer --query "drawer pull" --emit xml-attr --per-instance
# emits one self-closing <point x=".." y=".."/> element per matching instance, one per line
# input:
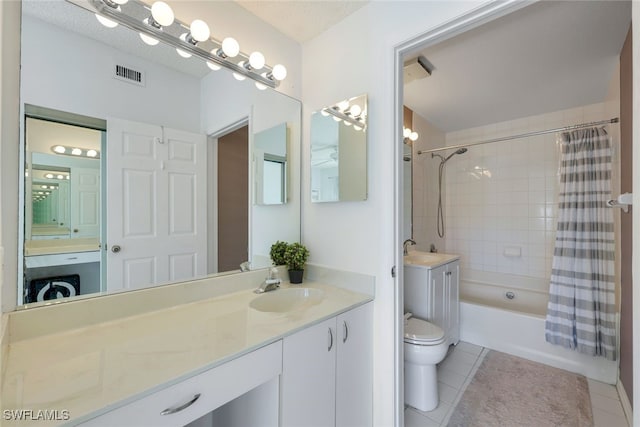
<point x="330" y="340"/>
<point x="179" y="408"/>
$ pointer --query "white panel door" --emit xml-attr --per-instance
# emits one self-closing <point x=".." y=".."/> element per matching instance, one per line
<point x="85" y="202"/>
<point x="354" y="368"/>
<point x="308" y="377"/>
<point x="186" y="168"/>
<point x="156" y="194"/>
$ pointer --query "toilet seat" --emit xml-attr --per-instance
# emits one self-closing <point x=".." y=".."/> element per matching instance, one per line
<point x="421" y="332"/>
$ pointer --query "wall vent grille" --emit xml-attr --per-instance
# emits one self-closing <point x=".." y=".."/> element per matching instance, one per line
<point x="129" y="75"/>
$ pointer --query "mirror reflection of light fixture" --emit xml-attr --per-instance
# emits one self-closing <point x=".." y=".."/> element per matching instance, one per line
<point x="409" y="136"/>
<point x="75" y="151"/>
<point x="347" y="113"/>
<point x="162" y="26"/>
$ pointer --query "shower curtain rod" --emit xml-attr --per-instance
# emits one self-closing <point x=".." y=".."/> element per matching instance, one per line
<point x="523" y="135"/>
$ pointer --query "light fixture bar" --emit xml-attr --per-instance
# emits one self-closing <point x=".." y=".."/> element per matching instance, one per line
<point x="356" y="121"/>
<point x="136" y="24"/>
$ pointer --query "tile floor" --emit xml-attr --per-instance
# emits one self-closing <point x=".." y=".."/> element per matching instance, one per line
<point x="457" y="370"/>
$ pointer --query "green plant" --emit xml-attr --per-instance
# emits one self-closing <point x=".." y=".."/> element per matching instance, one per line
<point x="277" y="252"/>
<point x="296" y="256"/>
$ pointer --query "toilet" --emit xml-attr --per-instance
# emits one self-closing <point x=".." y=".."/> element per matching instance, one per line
<point x="425" y="345"/>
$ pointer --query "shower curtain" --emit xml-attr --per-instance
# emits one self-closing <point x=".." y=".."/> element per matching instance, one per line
<point x="581" y="309"/>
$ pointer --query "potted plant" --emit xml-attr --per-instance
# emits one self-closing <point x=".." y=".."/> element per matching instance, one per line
<point x="295" y="257"/>
<point x="277" y="252"/>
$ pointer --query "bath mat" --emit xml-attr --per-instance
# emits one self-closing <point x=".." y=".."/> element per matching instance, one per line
<point x="510" y="391"/>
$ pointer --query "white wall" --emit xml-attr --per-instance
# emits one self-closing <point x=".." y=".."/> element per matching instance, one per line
<point x="354" y="57"/>
<point x="81" y="81"/>
<point x="265" y="109"/>
<point x="425" y="185"/>
<point x="226" y="18"/>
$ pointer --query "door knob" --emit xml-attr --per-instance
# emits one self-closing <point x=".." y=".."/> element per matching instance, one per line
<point x="75" y="230"/>
<point x="115" y="249"/>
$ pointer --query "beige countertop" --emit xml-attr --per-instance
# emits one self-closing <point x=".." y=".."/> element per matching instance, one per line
<point x="60" y="246"/>
<point x="428" y="259"/>
<point x="90" y="370"/>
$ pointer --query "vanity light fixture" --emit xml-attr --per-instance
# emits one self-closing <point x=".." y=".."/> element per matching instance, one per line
<point x="75" y="151"/>
<point x="189" y="40"/>
<point x="409" y="135"/>
<point x="347" y="115"/>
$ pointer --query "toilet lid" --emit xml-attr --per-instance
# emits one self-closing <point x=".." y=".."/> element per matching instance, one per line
<point x="421" y="330"/>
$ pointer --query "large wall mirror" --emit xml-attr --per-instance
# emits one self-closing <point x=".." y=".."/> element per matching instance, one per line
<point x="180" y="173"/>
<point x="339" y="151"/>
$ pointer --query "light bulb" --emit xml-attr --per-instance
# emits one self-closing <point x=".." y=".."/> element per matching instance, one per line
<point x="256" y="60"/>
<point x="59" y="149"/>
<point x="199" y="30"/>
<point x="406" y="132"/>
<point x="43" y="186"/>
<point x="324" y="112"/>
<point x="346" y="123"/>
<point x="337" y="119"/>
<point x="106" y="21"/>
<point x="76" y="152"/>
<point x="260" y="86"/>
<point x="230" y="47"/>
<point x="120" y="1"/>
<point x="162" y="13"/>
<point x="60" y="177"/>
<point x="357" y="127"/>
<point x="355" y="110"/>
<point x="343" y="106"/>
<point x="213" y="66"/>
<point x="66" y="177"/>
<point x="181" y="52"/>
<point x="92" y="153"/>
<point x="49" y="176"/>
<point x="279" y="72"/>
<point x="238" y="76"/>
<point x="413" y="136"/>
<point x="149" y="40"/>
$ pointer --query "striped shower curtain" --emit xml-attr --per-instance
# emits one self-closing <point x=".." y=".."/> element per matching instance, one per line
<point x="581" y="310"/>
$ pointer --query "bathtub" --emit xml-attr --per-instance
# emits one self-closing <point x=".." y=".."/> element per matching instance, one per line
<point x="516" y="325"/>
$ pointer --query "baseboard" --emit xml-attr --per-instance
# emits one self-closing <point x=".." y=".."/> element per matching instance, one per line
<point x="626" y="404"/>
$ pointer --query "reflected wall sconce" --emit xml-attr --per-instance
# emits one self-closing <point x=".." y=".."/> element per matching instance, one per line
<point x="75" y="151"/>
<point x="409" y="135"/>
<point x="158" y="23"/>
<point x="348" y="114"/>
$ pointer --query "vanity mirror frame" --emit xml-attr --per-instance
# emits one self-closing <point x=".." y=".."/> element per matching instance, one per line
<point x="294" y="191"/>
<point x="339" y="145"/>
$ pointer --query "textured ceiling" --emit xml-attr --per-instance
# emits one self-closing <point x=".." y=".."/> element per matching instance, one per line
<point x="546" y="57"/>
<point x="302" y="20"/>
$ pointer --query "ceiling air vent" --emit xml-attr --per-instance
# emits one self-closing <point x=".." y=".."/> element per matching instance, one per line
<point x="129" y="75"/>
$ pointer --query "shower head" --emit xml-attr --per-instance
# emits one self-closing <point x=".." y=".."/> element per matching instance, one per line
<point x="459" y="151"/>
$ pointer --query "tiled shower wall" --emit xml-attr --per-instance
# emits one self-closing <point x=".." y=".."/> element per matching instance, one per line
<point x="501" y="198"/>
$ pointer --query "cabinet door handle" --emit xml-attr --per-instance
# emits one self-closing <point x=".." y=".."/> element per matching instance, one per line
<point x="345" y="334"/>
<point x="330" y="340"/>
<point x="178" y="408"/>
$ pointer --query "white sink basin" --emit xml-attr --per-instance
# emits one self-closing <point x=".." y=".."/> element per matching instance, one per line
<point x="283" y="300"/>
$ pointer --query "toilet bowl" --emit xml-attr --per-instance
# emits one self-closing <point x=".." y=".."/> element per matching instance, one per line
<point x="425" y="345"/>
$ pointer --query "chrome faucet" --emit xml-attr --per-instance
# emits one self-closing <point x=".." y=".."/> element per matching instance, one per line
<point x="405" y="249"/>
<point x="271" y="283"/>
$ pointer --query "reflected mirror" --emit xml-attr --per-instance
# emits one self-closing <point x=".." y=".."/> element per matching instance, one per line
<point x="146" y="195"/>
<point x="270" y="163"/>
<point x="339" y="151"/>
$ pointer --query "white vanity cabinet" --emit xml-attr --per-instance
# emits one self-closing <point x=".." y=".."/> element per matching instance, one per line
<point x="191" y="399"/>
<point x="327" y="373"/>
<point x="432" y="293"/>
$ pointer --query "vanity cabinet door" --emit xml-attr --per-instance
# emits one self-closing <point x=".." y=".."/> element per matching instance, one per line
<point x="453" y="302"/>
<point x="354" y="368"/>
<point x="437" y="297"/>
<point x="308" y="376"/>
